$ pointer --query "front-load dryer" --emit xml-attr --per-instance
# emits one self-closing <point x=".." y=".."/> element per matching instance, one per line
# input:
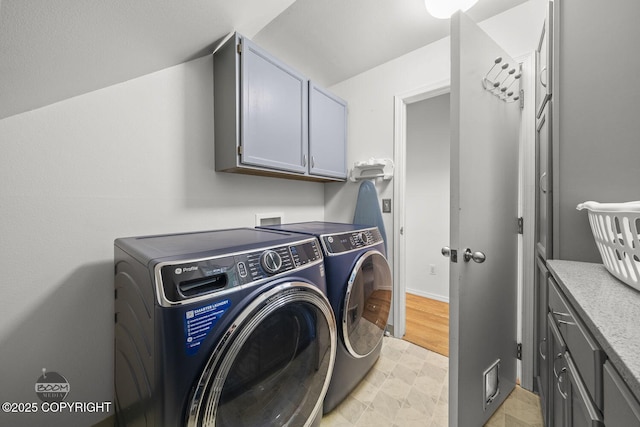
<point x="359" y="286"/>
<point x="221" y="328"/>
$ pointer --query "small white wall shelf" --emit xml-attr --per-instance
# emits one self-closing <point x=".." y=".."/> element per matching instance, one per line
<point x="371" y="169"/>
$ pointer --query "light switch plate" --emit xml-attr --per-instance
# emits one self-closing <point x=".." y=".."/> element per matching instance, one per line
<point x="386" y="205"/>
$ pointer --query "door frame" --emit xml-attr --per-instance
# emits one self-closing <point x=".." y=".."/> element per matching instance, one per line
<point x="526" y="209"/>
<point x="401" y="101"/>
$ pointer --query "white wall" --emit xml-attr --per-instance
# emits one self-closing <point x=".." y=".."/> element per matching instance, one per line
<point x="135" y="158"/>
<point x="370" y="96"/>
<point x="427" y="197"/>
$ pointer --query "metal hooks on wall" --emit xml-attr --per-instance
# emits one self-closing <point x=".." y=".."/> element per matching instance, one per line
<point x="500" y="78"/>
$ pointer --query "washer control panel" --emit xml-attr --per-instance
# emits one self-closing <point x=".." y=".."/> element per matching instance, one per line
<point x="190" y="279"/>
<point x="345" y="242"/>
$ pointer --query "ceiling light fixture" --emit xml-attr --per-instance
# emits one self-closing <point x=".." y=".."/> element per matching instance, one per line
<point x="443" y="9"/>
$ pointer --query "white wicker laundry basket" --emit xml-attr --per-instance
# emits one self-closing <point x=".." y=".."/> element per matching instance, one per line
<point x="616" y="228"/>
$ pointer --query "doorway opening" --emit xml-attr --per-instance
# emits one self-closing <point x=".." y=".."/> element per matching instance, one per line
<point x="427" y="191"/>
<point x="435" y="97"/>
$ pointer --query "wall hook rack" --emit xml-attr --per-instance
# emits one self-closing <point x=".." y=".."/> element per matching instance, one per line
<point x="372" y="169"/>
<point x="499" y="82"/>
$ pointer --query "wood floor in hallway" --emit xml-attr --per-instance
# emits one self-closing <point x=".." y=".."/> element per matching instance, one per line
<point x="428" y="324"/>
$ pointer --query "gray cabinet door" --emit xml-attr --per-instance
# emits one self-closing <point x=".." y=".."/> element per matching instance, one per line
<point x="541" y="368"/>
<point x="327" y="133"/>
<point x="274" y="113"/>
<point x="544" y="58"/>
<point x="558" y="391"/>
<point x="581" y="412"/>
<point x="621" y="408"/>
<point x="544" y="199"/>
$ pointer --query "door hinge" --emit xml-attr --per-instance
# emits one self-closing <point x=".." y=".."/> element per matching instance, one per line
<point x="522" y="99"/>
<point x="519" y="351"/>
<point x="521" y="225"/>
<point x="239" y="48"/>
<point x="239" y="150"/>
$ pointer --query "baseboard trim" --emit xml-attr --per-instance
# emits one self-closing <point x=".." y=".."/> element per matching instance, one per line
<point x="428" y="295"/>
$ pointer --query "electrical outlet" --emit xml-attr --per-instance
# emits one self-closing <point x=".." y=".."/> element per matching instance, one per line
<point x="386" y="205"/>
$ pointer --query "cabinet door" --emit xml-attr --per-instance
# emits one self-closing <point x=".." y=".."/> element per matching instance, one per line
<point x="558" y="393"/>
<point x="581" y="410"/>
<point x="327" y="133"/>
<point x="621" y="409"/>
<point x="544" y="181"/>
<point x="542" y="357"/>
<point x="544" y="59"/>
<point x="274" y="112"/>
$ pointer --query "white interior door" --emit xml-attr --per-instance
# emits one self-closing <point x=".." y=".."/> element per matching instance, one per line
<point x="484" y="207"/>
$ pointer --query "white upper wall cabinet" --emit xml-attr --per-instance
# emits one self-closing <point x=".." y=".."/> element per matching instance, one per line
<point x="269" y="119"/>
<point x="327" y="133"/>
<point x="273" y="113"/>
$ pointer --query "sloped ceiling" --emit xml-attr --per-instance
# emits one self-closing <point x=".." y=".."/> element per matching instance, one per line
<point x="332" y="40"/>
<point x="51" y="50"/>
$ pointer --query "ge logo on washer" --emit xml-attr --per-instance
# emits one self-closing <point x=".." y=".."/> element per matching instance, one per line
<point x="52" y="387"/>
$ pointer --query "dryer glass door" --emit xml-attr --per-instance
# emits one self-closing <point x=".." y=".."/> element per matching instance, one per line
<point x="367" y="304"/>
<point x="273" y="366"/>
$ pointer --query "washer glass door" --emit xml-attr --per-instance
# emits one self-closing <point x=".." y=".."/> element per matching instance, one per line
<point x="367" y="304"/>
<point x="273" y="366"/>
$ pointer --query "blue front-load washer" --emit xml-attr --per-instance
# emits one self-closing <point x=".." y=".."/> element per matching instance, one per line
<point x="221" y="328"/>
<point x="359" y="286"/>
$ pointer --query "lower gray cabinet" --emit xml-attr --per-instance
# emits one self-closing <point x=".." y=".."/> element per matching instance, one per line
<point x="575" y="371"/>
<point x="557" y="396"/>
<point x="590" y="384"/>
<point x="621" y="409"/>
<point x="541" y="368"/>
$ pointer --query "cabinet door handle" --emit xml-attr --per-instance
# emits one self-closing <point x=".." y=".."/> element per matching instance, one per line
<point x="562" y="393"/>
<point x="544" y="356"/>
<point x="558" y="356"/>
<point x="313" y="161"/>
<point x="544" y="190"/>
<point x="563" y="322"/>
<point x="304" y="160"/>
<point x="543" y="72"/>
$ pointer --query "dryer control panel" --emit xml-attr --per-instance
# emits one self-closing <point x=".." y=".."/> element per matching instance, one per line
<point x="191" y="279"/>
<point x="346" y="242"/>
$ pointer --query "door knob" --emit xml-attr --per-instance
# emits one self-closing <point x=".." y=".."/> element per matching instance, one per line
<point x="478" y="256"/>
<point x="450" y="253"/>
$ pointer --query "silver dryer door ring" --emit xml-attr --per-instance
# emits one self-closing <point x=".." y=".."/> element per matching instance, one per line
<point x="203" y="403"/>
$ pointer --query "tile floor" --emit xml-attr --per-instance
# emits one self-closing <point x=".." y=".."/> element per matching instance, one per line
<point x="408" y="387"/>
